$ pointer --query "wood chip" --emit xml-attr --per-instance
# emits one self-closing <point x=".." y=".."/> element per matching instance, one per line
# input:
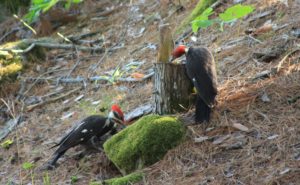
<point x="286" y="170"/>
<point x="201" y="139"/>
<point x="272" y="137"/>
<point x="68" y="115"/>
<point x="265" y="97"/>
<point x="240" y="127"/>
<point x="220" y="139"/>
<point x="79" y="97"/>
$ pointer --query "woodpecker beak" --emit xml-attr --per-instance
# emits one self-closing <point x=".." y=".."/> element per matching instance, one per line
<point x="172" y="59"/>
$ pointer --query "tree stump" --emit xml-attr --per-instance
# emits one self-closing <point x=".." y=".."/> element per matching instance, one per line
<point x="172" y="88"/>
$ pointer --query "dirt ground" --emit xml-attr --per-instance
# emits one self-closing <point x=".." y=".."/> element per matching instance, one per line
<point x="254" y="134"/>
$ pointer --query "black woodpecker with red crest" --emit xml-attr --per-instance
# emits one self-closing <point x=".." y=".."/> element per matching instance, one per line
<point x="200" y="66"/>
<point x="85" y="130"/>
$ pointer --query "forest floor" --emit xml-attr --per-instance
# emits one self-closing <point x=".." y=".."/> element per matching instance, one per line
<point x="254" y="134"/>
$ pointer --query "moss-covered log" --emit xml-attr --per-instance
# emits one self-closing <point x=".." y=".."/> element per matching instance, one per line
<point x="144" y="142"/>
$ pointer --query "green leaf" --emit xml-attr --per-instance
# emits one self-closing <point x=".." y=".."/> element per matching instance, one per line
<point x="77" y="1"/>
<point x="201" y="24"/>
<point x="6" y="144"/>
<point x="68" y="4"/>
<point x="202" y="20"/>
<point x="36" y="2"/>
<point x="235" y="12"/>
<point x="27" y="166"/>
<point x="50" y="5"/>
<point x="116" y="73"/>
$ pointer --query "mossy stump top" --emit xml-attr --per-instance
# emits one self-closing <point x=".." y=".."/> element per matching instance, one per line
<point x="144" y="142"/>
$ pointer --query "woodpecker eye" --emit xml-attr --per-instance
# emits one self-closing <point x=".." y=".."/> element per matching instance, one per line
<point x="117" y="115"/>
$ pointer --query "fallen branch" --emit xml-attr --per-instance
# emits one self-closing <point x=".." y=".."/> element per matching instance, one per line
<point x="138" y="112"/>
<point x="31" y="107"/>
<point x="128" y="79"/>
<point x="48" y="43"/>
<point x="9" y="126"/>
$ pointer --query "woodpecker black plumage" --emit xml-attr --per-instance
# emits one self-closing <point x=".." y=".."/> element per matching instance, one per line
<point x="86" y="130"/>
<point x="200" y="66"/>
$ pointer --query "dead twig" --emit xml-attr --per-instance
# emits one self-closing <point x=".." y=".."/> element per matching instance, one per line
<point x="31" y="107"/>
<point x="77" y="62"/>
<point x="284" y="59"/>
<point x="8" y="33"/>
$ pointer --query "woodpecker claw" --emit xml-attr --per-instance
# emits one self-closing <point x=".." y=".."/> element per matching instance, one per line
<point x="47" y="166"/>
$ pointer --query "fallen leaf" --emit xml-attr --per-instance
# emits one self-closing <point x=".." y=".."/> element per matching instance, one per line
<point x="137" y="75"/>
<point x="263" y="29"/>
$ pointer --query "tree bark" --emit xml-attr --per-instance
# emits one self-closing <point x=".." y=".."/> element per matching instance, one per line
<point x="172" y="88"/>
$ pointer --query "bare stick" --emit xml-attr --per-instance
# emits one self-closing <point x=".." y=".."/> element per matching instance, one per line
<point x="284" y="58"/>
<point x="31" y="107"/>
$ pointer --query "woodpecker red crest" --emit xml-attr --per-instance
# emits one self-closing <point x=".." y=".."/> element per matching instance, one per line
<point x="179" y="51"/>
<point x="117" y="109"/>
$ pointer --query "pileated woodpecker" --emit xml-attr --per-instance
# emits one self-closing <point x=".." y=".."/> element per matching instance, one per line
<point x="86" y="130"/>
<point x="200" y="66"/>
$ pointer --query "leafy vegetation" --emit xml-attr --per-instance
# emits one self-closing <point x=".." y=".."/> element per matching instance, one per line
<point x="6" y="144"/>
<point x="42" y="6"/>
<point x="46" y="179"/>
<point x="27" y="165"/>
<point x="74" y="179"/>
<point x="201" y="6"/>
<point x="230" y="14"/>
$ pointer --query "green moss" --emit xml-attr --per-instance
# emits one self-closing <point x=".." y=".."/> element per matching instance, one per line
<point x="144" y="143"/>
<point x="126" y="180"/>
<point x="12" y="61"/>
<point x="200" y="7"/>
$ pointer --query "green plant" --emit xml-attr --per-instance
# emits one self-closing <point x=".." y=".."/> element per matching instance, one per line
<point x="74" y="179"/>
<point x="229" y="15"/>
<point x="114" y="76"/>
<point x="38" y="6"/>
<point x="46" y="179"/>
<point x="6" y="144"/>
<point x="29" y="166"/>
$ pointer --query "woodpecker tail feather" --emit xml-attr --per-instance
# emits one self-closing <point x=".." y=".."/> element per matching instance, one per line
<point x="202" y="111"/>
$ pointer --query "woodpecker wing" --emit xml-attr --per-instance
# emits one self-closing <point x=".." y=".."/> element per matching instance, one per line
<point x="201" y="70"/>
<point x="87" y="128"/>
